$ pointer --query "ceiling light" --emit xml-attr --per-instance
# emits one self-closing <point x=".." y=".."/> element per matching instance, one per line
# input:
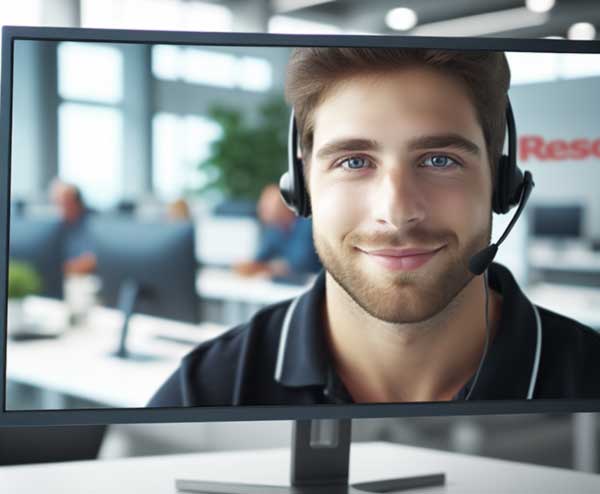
<point x="401" y="19"/>
<point x="540" y="5"/>
<point x="582" y="30"/>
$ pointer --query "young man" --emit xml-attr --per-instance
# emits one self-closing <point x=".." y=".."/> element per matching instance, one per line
<point x="400" y="148"/>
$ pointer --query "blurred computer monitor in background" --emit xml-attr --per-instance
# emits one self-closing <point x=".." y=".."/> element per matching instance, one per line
<point x="146" y="267"/>
<point x="225" y="240"/>
<point x="39" y="242"/>
<point x="558" y="222"/>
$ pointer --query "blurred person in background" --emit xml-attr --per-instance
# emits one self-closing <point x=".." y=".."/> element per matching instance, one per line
<point x="286" y="246"/>
<point x="78" y="252"/>
<point x="178" y="210"/>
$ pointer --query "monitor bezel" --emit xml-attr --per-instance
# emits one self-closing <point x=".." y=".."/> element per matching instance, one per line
<point x="246" y="413"/>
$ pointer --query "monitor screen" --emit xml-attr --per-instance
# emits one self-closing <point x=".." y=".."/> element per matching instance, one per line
<point x="349" y="239"/>
<point x="558" y="221"/>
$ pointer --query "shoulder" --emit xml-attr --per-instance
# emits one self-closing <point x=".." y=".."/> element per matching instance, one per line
<point x="567" y="332"/>
<point x="570" y="352"/>
<point x="210" y="373"/>
<point x="266" y="323"/>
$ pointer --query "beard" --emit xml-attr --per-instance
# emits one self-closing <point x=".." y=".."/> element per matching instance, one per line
<point x="402" y="297"/>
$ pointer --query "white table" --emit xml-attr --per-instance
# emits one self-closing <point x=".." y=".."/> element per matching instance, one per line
<point x="79" y="364"/>
<point x="243" y="296"/>
<point x="577" y="302"/>
<point x="224" y="284"/>
<point x="368" y="461"/>
<point x="574" y="256"/>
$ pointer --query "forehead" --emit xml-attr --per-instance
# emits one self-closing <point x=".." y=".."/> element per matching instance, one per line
<point x="404" y="102"/>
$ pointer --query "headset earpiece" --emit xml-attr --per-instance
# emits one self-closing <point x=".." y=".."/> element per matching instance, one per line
<point x="291" y="184"/>
<point x="509" y="177"/>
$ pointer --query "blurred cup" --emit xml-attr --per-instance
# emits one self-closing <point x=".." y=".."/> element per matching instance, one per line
<point x="81" y="294"/>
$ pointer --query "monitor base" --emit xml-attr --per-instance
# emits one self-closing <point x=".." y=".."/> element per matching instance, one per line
<point x="320" y="461"/>
<point x="382" y="486"/>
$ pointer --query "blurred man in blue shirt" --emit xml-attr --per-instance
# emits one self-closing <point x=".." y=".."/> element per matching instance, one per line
<point x="78" y="252"/>
<point x="286" y="247"/>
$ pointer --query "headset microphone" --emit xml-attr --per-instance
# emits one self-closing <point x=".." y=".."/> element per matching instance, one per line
<point x="480" y="261"/>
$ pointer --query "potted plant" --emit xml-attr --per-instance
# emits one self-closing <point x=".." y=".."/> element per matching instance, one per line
<point x="23" y="280"/>
<point x="248" y="155"/>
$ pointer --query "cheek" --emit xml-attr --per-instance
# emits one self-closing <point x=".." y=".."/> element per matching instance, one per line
<point x="464" y="209"/>
<point x="468" y="208"/>
<point x="336" y="211"/>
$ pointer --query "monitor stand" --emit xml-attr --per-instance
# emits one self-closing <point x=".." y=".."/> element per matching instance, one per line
<point x="129" y="293"/>
<point x="319" y="465"/>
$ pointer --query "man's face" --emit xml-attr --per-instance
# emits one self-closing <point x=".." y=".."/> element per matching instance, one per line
<point x="387" y="173"/>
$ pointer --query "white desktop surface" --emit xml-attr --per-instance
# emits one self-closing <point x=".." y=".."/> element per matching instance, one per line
<point x="223" y="284"/>
<point x="78" y="363"/>
<point x="368" y="461"/>
<point x="576" y="302"/>
<point x="573" y="256"/>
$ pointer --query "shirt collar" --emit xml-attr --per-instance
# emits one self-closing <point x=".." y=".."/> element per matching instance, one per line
<point x="303" y="358"/>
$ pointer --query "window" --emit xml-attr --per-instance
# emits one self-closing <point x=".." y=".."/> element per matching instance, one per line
<point x="180" y="143"/>
<point x="90" y="151"/>
<point x="79" y="68"/>
<point x="90" y="120"/>
<point x="527" y="68"/>
<point x="213" y="68"/>
<point x="207" y="67"/>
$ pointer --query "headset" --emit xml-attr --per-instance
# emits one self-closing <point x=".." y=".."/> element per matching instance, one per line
<point x="511" y="188"/>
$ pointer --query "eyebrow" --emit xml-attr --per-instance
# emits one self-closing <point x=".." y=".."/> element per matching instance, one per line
<point x="424" y="142"/>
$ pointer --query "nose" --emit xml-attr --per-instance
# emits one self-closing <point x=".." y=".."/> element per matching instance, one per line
<point x="398" y="199"/>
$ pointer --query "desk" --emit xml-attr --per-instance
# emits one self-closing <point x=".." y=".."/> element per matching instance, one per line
<point x="573" y="262"/>
<point x="579" y="303"/>
<point x="78" y="362"/>
<point x="242" y="296"/>
<point x="223" y="284"/>
<point x="368" y="461"/>
<point x="572" y="256"/>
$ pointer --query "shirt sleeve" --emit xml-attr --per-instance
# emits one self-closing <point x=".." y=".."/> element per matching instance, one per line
<point x="301" y="253"/>
<point x="271" y="242"/>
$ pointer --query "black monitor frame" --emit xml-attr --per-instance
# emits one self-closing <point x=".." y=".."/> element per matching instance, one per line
<point x="245" y="413"/>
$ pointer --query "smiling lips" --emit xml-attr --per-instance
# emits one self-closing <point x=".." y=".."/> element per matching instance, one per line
<point x="402" y="259"/>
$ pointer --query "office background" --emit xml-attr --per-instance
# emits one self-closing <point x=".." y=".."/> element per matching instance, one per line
<point x="144" y="128"/>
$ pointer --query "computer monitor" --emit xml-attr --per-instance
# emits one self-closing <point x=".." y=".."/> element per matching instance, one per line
<point x="39" y="241"/>
<point x="401" y="149"/>
<point x="146" y="267"/>
<point x="558" y="222"/>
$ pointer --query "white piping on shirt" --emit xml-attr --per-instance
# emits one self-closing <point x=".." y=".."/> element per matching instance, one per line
<point x="285" y="329"/>
<point x="538" y="352"/>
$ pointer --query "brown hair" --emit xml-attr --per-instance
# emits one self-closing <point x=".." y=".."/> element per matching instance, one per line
<point x="313" y="71"/>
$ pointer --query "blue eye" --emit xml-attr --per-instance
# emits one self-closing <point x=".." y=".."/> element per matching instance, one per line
<point x="354" y="163"/>
<point x="440" y="161"/>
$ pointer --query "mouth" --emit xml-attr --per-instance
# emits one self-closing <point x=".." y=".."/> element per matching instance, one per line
<point x="405" y="259"/>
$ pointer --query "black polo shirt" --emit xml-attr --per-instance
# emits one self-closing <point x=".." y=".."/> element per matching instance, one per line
<point x="280" y="357"/>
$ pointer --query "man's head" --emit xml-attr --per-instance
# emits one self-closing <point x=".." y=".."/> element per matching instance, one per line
<point x="272" y="210"/>
<point x="67" y="198"/>
<point x="399" y="147"/>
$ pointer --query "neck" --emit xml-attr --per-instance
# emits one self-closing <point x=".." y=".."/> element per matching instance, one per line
<point x="426" y="361"/>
